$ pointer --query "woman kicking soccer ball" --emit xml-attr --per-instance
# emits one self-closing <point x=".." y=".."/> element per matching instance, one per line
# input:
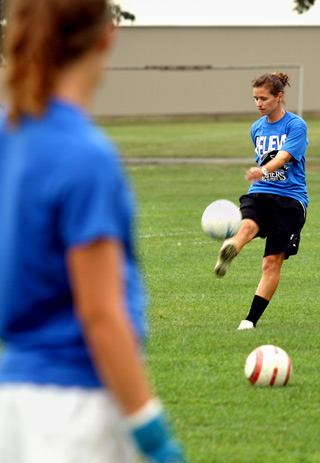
<point x="276" y="203"/>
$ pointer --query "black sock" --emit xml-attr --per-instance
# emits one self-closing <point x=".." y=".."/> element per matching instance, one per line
<point x="258" y="306"/>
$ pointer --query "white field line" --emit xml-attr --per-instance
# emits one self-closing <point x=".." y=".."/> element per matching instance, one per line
<point x="170" y="234"/>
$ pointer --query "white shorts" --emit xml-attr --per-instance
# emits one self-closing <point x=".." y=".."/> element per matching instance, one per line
<point x="48" y="424"/>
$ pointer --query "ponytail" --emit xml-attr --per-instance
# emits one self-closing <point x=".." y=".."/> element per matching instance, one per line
<point x="30" y="72"/>
<point x="43" y="36"/>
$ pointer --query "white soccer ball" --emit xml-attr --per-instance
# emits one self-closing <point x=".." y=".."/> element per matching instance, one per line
<point x="221" y="219"/>
<point x="268" y="366"/>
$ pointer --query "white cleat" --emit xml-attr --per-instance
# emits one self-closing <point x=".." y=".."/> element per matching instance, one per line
<point x="245" y="325"/>
<point x="226" y="255"/>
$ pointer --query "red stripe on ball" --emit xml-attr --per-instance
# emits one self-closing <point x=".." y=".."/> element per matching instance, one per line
<point x="274" y="376"/>
<point x="258" y="367"/>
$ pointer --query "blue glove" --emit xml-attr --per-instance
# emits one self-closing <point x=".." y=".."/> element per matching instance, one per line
<point x="154" y="438"/>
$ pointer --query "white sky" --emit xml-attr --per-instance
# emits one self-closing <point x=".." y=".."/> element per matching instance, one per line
<point x="218" y="12"/>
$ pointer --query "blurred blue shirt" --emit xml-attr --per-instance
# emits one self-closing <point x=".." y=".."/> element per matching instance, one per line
<point x="61" y="185"/>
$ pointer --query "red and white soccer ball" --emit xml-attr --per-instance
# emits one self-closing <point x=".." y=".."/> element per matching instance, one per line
<point x="268" y="366"/>
<point x="221" y="219"/>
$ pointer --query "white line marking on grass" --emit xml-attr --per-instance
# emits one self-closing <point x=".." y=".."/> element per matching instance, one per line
<point x="167" y="235"/>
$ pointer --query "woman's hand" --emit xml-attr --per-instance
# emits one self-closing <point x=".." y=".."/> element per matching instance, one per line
<point x="254" y="174"/>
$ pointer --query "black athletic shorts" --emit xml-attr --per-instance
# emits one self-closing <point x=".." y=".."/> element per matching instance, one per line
<point x="279" y="218"/>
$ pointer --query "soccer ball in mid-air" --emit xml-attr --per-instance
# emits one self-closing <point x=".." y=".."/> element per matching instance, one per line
<point x="221" y="219"/>
<point x="268" y="366"/>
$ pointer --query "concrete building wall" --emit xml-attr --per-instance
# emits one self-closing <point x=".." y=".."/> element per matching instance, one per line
<point x="161" y="93"/>
<point x="129" y="93"/>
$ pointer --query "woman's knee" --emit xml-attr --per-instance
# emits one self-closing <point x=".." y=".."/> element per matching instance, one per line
<point x="272" y="263"/>
<point x="249" y="227"/>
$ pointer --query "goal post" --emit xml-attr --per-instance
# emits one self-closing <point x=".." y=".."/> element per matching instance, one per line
<point x="209" y="67"/>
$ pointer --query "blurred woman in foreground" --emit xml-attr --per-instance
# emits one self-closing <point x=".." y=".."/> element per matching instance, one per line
<point x="72" y="386"/>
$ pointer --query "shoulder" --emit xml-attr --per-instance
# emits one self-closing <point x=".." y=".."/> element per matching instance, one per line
<point x="258" y="124"/>
<point x="74" y="142"/>
<point x="295" y="122"/>
<point x="95" y="145"/>
<point x="75" y="139"/>
<point x="79" y="158"/>
<point x="93" y="154"/>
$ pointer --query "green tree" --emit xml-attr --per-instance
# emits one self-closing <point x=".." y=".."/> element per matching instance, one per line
<point x="303" y="5"/>
<point x="119" y="15"/>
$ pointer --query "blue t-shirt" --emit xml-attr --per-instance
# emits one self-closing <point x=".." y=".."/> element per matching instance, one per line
<point x="288" y="134"/>
<point x="61" y="185"/>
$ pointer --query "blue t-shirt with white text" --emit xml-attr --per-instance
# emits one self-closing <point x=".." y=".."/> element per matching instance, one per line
<point x="288" y="134"/>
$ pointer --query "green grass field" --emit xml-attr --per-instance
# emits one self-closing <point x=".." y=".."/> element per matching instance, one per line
<point x="194" y="139"/>
<point x="196" y="355"/>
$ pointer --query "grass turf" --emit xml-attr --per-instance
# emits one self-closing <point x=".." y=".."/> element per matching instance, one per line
<point x="196" y="356"/>
<point x="194" y="139"/>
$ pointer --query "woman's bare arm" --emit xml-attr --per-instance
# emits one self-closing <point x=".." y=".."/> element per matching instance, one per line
<point x="95" y="273"/>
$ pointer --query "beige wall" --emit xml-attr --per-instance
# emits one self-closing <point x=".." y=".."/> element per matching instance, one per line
<point x="143" y="93"/>
<point x="130" y="93"/>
